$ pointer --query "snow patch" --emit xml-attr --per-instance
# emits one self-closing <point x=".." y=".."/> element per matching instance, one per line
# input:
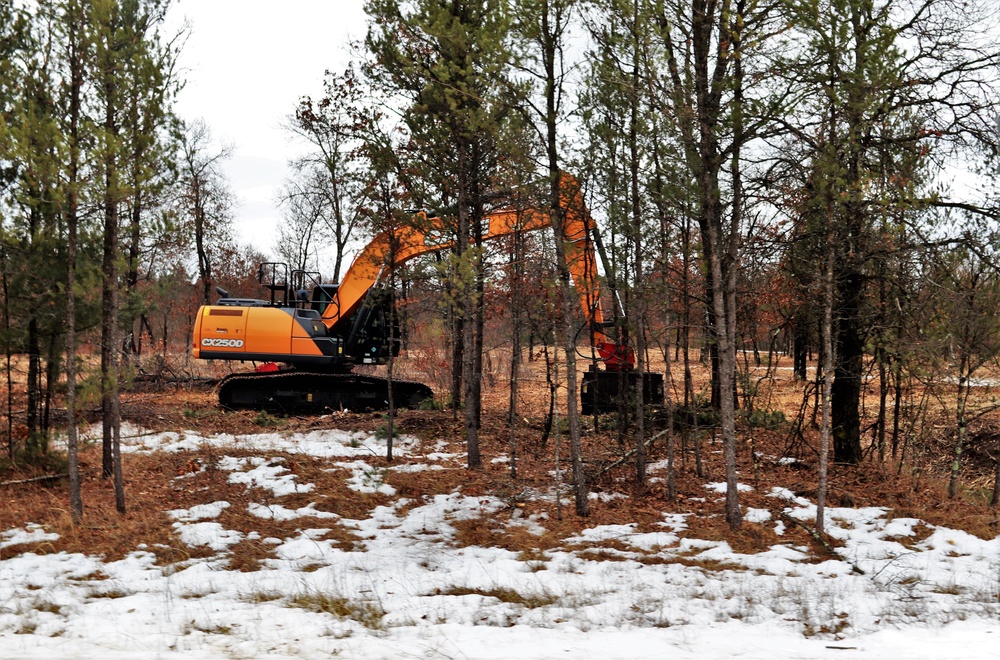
<point x="30" y="533"/>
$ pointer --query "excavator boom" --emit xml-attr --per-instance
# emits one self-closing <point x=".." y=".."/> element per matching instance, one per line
<point x="428" y="235"/>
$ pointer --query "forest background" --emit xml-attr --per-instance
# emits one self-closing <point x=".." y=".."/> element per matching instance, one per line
<point x="810" y="177"/>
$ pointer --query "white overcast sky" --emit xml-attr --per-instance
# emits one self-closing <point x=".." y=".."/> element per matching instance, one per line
<point x="246" y="63"/>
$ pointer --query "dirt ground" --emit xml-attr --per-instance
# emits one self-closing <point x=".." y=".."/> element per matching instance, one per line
<point x="912" y="487"/>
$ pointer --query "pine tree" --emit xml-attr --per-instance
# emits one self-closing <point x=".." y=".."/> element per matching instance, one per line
<point x="447" y="59"/>
<point x="78" y="48"/>
<point x="542" y="27"/>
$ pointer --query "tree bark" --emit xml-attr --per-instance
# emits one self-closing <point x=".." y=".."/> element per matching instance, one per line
<point x="110" y="394"/>
<point x="960" y="426"/>
<point x="516" y="266"/>
<point x="848" y="372"/>
<point x="995" y="499"/>
<point x="827" y="369"/>
<point x="467" y="305"/>
<point x="72" y="203"/>
<point x="638" y="299"/>
<point x="710" y="219"/>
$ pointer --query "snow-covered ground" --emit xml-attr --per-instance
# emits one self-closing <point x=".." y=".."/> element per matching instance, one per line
<point x="407" y="591"/>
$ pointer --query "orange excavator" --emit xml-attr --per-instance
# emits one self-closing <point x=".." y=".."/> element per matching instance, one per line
<point x="321" y="334"/>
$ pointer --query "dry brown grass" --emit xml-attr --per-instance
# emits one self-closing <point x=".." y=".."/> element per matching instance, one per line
<point x="751" y="538"/>
<point x="152" y="487"/>
<point x="105" y="531"/>
<point x="415" y="485"/>
<point x="367" y="613"/>
<point x="504" y="595"/>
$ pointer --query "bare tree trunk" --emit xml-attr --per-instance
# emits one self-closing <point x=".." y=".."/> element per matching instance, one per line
<point x="825" y="429"/>
<point x="457" y="358"/>
<point x="550" y="40"/>
<point x="471" y="379"/>
<point x="72" y="203"/>
<point x="882" y="358"/>
<point x="580" y="488"/>
<point x="849" y="368"/>
<point x="468" y="305"/>
<point x="554" y="418"/>
<point x="667" y="369"/>
<point x="391" y="395"/>
<point x="52" y="362"/>
<point x="8" y="352"/>
<point x="512" y="424"/>
<point x="34" y="379"/>
<point x="516" y="272"/>
<point x="550" y="381"/>
<point x="640" y="417"/>
<point x="72" y="439"/>
<point x="690" y="404"/>
<point x="110" y="394"/>
<point x="200" y="231"/>
<point x="727" y="409"/>
<point x="640" y="330"/>
<point x="666" y="308"/>
<point x="960" y="425"/>
<point x="727" y="360"/>
<point x="883" y="402"/>
<point x="671" y="435"/>
<point x="133" y="341"/>
<point x="897" y="404"/>
<point x="391" y="412"/>
<point x="685" y="329"/>
<point x="476" y="400"/>
<point x="995" y="500"/>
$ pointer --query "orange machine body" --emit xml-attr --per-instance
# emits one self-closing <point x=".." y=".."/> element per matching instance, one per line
<point x="264" y="334"/>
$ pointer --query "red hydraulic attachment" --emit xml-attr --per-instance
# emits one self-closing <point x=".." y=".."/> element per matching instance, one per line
<point x="616" y="357"/>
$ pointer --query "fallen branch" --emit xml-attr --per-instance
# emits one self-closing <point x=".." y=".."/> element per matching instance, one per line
<point x="621" y="461"/>
<point x="822" y="541"/>
<point x="47" y="477"/>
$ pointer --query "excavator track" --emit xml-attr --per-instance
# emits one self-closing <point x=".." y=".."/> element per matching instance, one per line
<point x="303" y="391"/>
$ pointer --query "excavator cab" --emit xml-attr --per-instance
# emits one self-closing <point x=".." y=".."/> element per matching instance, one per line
<point x="368" y="336"/>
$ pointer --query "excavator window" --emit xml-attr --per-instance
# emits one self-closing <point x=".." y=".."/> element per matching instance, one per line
<point x="322" y="296"/>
